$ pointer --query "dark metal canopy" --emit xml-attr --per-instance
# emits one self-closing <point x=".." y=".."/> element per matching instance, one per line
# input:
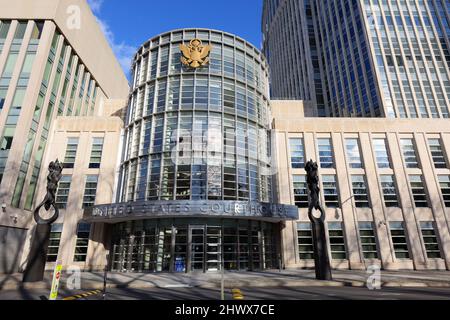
<point x="114" y="213"/>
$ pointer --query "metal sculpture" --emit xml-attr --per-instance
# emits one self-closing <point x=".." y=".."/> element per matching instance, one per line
<point x="195" y="55"/>
<point x="321" y="257"/>
<point x="37" y="257"/>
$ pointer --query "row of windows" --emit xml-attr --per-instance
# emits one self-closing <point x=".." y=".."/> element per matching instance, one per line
<point x="90" y="191"/>
<point x="47" y="105"/>
<point x="368" y="240"/>
<point x="81" y="248"/>
<point x="234" y="65"/>
<point x="96" y="153"/>
<point x="201" y="94"/>
<point x="361" y="192"/>
<point x="380" y="148"/>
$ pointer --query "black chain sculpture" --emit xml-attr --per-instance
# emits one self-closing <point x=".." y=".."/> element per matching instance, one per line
<point x="37" y="257"/>
<point x="55" y="174"/>
<point x="321" y="258"/>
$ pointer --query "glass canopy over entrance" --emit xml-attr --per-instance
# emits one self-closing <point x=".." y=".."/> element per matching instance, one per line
<point x="194" y="245"/>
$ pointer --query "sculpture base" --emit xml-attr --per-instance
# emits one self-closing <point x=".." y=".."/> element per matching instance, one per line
<point x="34" y="271"/>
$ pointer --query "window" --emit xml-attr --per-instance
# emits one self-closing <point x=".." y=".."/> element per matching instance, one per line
<point x="305" y="241"/>
<point x="10" y="64"/>
<point x="430" y="240"/>
<point x="53" y="244"/>
<point x="360" y="191"/>
<point x="81" y="248"/>
<point x="300" y="191"/>
<point x="418" y="191"/>
<point x="337" y="243"/>
<point x="409" y="153"/>
<point x="37" y="30"/>
<point x="353" y="153"/>
<point x="27" y="65"/>
<point x="325" y="153"/>
<point x="389" y="191"/>
<point x="90" y="191"/>
<point x="437" y="153"/>
<point x="297" y="153"/>
<point x="399" y="240"/>
<point x="20" y="30"/>
<point x="381" y="153"/>
<point x="3" y="91"/>
<point x="71" y="153"/>
<point x="330" y="191"/>
<point x="368" y="240"/>
<point x="4" y="28"/>
<point x="96" y="154"/>
<point x="62" y="194"/>
<point x="444" y="182"/>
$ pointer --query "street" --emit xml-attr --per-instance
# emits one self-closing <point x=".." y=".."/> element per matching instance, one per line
<point x="253" y="293"/>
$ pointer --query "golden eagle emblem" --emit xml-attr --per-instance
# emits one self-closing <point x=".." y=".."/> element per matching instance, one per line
<point x="196" y="54"/>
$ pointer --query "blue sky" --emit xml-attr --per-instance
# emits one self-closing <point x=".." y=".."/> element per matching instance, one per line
<point x="129" y="23"/>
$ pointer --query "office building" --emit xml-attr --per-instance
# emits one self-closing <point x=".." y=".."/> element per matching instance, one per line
<point x="54" y="62"/>
<point x="361" y="58"/>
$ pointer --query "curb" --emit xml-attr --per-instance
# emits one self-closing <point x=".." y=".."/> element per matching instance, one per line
<point x="87" y="285"/>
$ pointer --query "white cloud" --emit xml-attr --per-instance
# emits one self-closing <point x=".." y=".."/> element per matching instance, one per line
<point x="95" y="5"/>
<point x="123" y="51"/>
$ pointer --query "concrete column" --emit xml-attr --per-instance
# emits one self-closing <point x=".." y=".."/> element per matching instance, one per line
<point x="285" y="196"/>
<point x="348" y="211"/>
<point x="376" y="199"/>
<point x="407" y="203"/>
<point x="437" y="207"/>
<point x="98" y="247"/>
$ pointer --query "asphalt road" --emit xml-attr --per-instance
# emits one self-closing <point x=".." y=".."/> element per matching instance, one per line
<point x="278" y="293"/>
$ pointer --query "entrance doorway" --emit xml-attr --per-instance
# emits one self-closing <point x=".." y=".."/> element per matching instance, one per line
<point x="194" y="245"/>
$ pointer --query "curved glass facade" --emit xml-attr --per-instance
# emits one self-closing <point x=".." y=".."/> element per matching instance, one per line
<point x="197" y="134"/>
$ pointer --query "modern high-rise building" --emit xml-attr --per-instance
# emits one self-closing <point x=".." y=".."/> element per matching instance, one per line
<point x="54" y="62"/>
<point x="385" y="181"/>
<point x="361" y="58"/>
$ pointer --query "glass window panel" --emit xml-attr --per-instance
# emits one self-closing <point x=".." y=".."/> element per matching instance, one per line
<point x="300" y="191"/>
<point x="325" y="153"/>
<point x="353" y="153"/>
<point x="297" y="153"/>
<point x="399" y="240"/>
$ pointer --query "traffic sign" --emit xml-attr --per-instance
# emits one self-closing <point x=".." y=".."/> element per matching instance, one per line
<point x="55" y="282"/>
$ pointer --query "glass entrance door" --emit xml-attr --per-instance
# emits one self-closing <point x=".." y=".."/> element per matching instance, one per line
<point x="197" y="248"/>
<point x="194" y="245"/>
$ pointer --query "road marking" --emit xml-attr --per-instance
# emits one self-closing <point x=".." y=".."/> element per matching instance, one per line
<point x="177" y="286"/>
<point x="83" y="295"/>
<point x="237" y="294"/>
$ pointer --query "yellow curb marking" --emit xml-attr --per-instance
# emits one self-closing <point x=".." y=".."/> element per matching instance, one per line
<point x="83" y="295"/>
<point x="237" y="294"/>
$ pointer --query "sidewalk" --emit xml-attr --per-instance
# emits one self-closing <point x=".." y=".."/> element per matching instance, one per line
<point x="274" y="278"/>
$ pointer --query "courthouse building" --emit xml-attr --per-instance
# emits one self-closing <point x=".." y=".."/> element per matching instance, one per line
<point x="195" y="168"/>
